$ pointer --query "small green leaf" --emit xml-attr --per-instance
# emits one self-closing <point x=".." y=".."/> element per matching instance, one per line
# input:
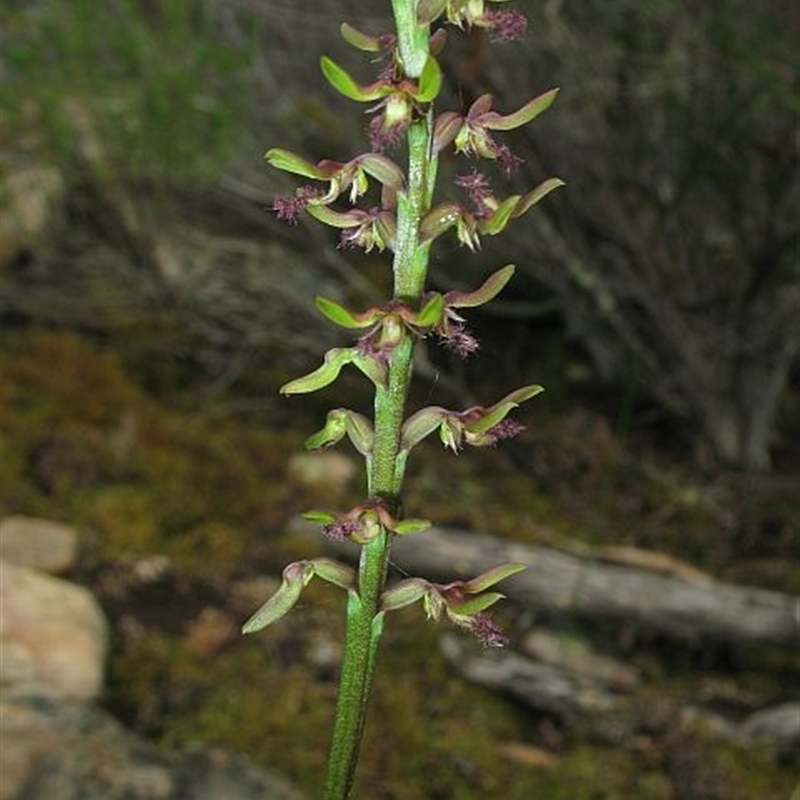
<point x="344" y="84"/>
<point x="528" y="112"/>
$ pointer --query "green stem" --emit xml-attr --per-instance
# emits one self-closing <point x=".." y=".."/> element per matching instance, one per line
<point x="364" y="618"/>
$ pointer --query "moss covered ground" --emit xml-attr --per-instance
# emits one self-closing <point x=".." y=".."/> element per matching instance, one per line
<point x="182" y="509"/>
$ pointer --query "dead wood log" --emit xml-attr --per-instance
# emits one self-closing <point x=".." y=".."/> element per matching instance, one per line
<point x="689" y="610"/>
<point x="566" y="694"/>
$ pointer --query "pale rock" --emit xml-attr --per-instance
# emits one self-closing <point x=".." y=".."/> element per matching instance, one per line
<point x="328" y="471"/>
<point x="67" y="750"/>
<point x="30" y="196"/>
<point x="38" y="543"/>
<point x="778" y="725"/>
<point x="53" y="635"/>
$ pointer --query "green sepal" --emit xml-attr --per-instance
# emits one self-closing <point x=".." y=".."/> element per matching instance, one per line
<point x="528" y="112"/>
<point x="319" y="517"/>
<point x="374" y="370"/>
<point x="290" y="162"/>
<point x="344" y="84"/>
<point x="487" y="291"/>
<point x="336" y="219"/>
<point x="408" y="526"/>
<point x="537" y="194"/>
<point x="383" y="169"/>
<point x="346" y="319"/>
<point x="325" y="374"/>
<point x="360" y="40"/>
<point x="429" y="10"/>
<point x="498" y="412"/>
<point x="493" y="576"/>
<point x="295" y="578"/>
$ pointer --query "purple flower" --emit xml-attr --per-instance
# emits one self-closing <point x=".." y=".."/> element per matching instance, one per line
<point x="289" y="208"/>
<point x="484" y="627"/>
<point x="459" y="340"/>
<point x="505" y="26"/>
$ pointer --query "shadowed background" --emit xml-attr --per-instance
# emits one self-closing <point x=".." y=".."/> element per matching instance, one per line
<point x="152" y="304"/>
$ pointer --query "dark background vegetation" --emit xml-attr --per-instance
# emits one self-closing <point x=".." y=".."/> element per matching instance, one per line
<point x="152" y="305"/>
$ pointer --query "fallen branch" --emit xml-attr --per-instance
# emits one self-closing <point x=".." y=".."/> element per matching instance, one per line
<point x="680" y="607"/>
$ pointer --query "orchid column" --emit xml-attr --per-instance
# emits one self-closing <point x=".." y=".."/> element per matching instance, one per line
<point x="404" y="220"/>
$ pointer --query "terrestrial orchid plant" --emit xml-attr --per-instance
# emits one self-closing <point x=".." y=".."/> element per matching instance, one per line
<point x="404" y="220"/>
